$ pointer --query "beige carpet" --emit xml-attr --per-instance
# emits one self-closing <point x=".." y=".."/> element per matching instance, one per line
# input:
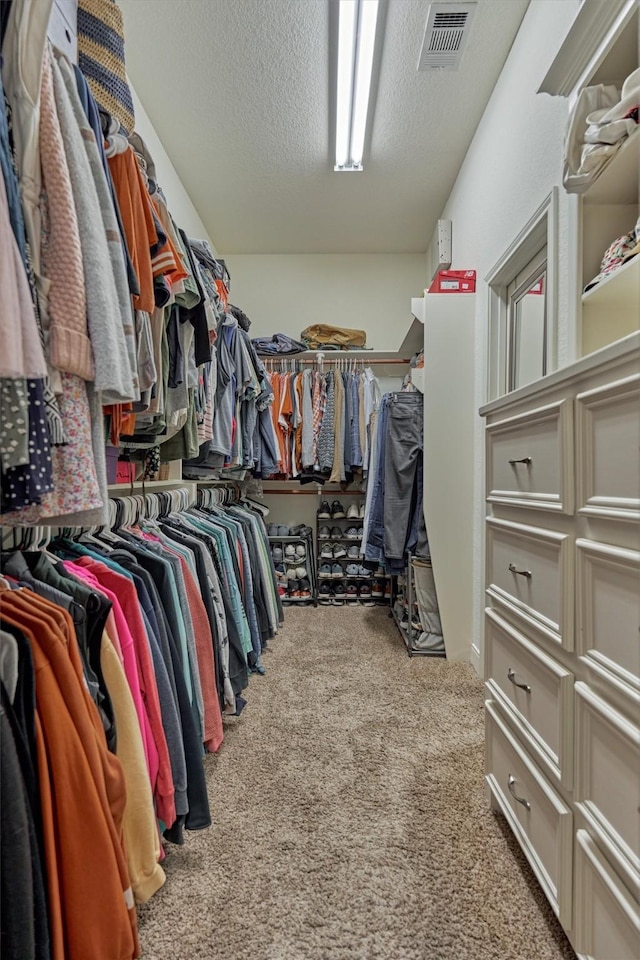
<point x="349" y="817"/>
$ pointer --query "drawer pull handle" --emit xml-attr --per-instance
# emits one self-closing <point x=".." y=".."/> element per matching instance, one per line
<point x="511" y="675"/>
<point x="521" y="573"/>
<point x="527" y="460"/>
<point x="512" y="791"/>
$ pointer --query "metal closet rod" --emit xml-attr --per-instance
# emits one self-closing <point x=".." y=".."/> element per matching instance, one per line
<point x="361" y="360"/>
<point x="312" y="493"/>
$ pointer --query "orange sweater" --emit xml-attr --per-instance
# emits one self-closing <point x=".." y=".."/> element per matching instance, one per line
<point x="137" y="220"/>
<point x="83" y="822"/>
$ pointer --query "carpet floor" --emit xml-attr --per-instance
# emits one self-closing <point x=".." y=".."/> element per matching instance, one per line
<point x="350" y="821"/>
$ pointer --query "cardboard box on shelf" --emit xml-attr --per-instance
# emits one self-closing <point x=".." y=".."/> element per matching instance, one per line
<point x="454" y="281"/>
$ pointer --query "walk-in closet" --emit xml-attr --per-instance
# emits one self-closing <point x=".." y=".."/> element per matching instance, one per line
<point x="320" y="479"/>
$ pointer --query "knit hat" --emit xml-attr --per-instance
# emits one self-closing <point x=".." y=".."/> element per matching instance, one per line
<point x="101" y="58"/>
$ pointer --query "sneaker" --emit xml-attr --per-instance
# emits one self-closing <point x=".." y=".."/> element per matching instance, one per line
<point x="339" y="551"/>
<point x="324" y="533"/>
<point x="337" y="572"/>
<point x="300" y="572"/>
<point x="338" y="595"/>
<point x="365" y="591"/>
<point x="354" y="552"/>
<point x="359" y="532"/>
<point x="325" y="571"/>
<point x="282" y="590"/>
<point x="352" y="533"/>
<point x="361" y="509"/>
<point x="324" y="513"/>
<point x="337" y="510"/>
<point x="324" y="594"/>
<point x="305" y="589"/>
<point x="363" y="572"/>
<point x="300" y="551"/>
<point x="352" y="569"/>
<point x="352" y="593"/>
<point x="276" y="553"/>
<point x="327" y="551"/>
<point x="353" y="512"/>
<point x="387" y="590"/>
<point x="272" y="530"/>
<point x="294" y="588"/>
<point x="283" y="530"/>
<point x="377" y="589"/>
<point x="281" y="573"/>
<point x="290" y="551"/>
<point x="379" y="572"/>
<point x="336" y="533"/>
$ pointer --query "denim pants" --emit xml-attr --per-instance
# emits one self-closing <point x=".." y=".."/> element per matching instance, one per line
<point x="403" y="473"/>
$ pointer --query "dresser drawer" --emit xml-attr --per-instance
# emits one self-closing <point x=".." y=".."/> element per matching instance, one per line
<point x="608" y="634"/>
<point x="607" y="923"/>
<point x="535" y="692"/>
<point x="530" y="459"/>
<point x="608" y="776"/>
<point x="541" y="821"/>
<point x="608" y="443"/>
<point x="529" y="571"/>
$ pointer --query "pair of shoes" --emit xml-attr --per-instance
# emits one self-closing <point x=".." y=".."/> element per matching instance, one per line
<point x="330" y="533"/>
<point x="357" y="593"/>
<point x="333" y="512"/>
<point x="357" y="570"/>
<point x="356" y="511"/>
<point x="291" y="551"/>
<point x="297" y="572"/>
<point x="331" y="594"/>
<point x="377" y="589"/>
<point x="278" y="530"/>
<point x="281" y="574"/>
<point x="332" y="551"/>
<point x="299" y="589"/>
<point x="354" y="533"/>
<point x="300" y="530"/>
<point x="330" y="571"/>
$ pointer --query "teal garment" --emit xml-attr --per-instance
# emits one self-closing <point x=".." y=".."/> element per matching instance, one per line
<point x="230" y="584"/>
<point x="237" y="535"/>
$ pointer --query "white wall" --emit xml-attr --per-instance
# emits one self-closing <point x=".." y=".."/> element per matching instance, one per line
<point x="512" y="164"/>
<point x="178" y="200"/>
<point x="284" y="293"/>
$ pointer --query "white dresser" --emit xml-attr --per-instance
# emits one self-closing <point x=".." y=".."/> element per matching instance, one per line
<point x="562" y="639"/>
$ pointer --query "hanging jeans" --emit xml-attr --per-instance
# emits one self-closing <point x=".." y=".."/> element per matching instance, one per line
<point x="402" y="472"/>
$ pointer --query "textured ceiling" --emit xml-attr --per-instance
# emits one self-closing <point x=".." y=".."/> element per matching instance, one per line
<point x="238" y="92"/>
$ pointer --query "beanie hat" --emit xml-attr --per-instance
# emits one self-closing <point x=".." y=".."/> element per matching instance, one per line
<point x="101" y="58"/>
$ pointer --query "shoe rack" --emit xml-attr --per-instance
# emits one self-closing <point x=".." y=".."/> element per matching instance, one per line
<point x="346" y="589"/>
<point x="406" y="615"/>
<point x="291" y="564"/>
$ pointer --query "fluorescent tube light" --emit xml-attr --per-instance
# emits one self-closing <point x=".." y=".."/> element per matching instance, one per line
<point x="356" y="44"/>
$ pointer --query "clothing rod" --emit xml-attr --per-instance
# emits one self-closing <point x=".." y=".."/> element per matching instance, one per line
<point x="306" y="493"/>
<point x="360" y="360"/>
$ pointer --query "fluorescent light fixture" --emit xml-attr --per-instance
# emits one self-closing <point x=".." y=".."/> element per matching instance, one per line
<point x="356" y="43"/>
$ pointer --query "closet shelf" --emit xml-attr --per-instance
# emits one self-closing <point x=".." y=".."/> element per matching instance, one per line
<point x="618" y="291"/>
<point x="149" y="486"/>
<point x="618" y="182"/>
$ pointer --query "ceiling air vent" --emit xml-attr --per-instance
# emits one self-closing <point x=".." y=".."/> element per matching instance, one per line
<point x="448" y="26"/>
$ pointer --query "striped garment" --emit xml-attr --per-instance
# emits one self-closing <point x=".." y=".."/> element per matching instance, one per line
<point x="101" y="58"/>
